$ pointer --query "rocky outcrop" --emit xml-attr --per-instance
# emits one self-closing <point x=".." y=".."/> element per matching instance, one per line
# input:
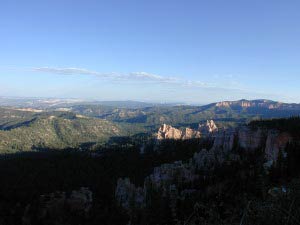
<point x="189" y="133"/>
<point x="212" y="127"/>
<point x="167" y="178"/>
<point x="128" y="195"/>
<point x="224" y="141"/>
<point x="275" y="143"/>
<point x="208" y="128"/>
<point x="267" y="104"/>
<point x="241" y="103"/>
<point x="168" y="174"/>
<point x="169" y="132"/>
<point x="250" y="139"/>
<point x="247" y="139"/>
<point x="203" y="160"/>
<point x="164" y="180"/>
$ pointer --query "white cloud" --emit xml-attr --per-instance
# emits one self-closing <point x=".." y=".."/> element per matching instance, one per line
<point x="112" y="75"/>
<point x="71" y="71"/>
<point x="134" y="77"/>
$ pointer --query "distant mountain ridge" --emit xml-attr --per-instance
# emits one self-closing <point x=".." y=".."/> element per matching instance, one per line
<point x="55" y="102"/>
<point x="260" y="103"/>
<point x="27" y="128"/>
<point x="226" y="113"/>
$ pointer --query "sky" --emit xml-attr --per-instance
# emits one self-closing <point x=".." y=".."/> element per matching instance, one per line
<point x="191" y="51"/>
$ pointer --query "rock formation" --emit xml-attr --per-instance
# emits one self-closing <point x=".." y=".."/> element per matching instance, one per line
<point x="267" y="104"/>
<point x="189" y="133"/>
<point x="276" y="142"/>
<point x="212" y="127"/>
<point x="169" y="132"/>
<point x="128" y="195"/>
<point x="208" y="128"/>
<point x="167" y="174"/>
<point x="166" y="178"/>
<point x="250" y="139"/>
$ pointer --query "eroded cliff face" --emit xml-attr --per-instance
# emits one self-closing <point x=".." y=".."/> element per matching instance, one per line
<point x="129" y="195"/>
<point x="169" y="132"/>
<point x="271" y="142"/>
<point x="168" y="177"/>
<point x="224" y="141"/>
<point x="163" y="180"/>
<point x="250" y="139"/>
<point x="189" y="133"/>
<point x="267" y="104"/>
<point x="276" y="142"/>
<point x="208" y="128"/>
<point x="174" y="173"/>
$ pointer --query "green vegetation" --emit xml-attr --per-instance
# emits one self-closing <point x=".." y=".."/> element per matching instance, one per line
<point x="10" y="117"/>
<point x="57" y="131"/>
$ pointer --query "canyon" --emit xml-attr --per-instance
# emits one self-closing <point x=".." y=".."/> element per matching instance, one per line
<point x="228" y="147"/>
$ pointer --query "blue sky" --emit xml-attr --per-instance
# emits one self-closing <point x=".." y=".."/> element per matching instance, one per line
<point x="160" y="50"/>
